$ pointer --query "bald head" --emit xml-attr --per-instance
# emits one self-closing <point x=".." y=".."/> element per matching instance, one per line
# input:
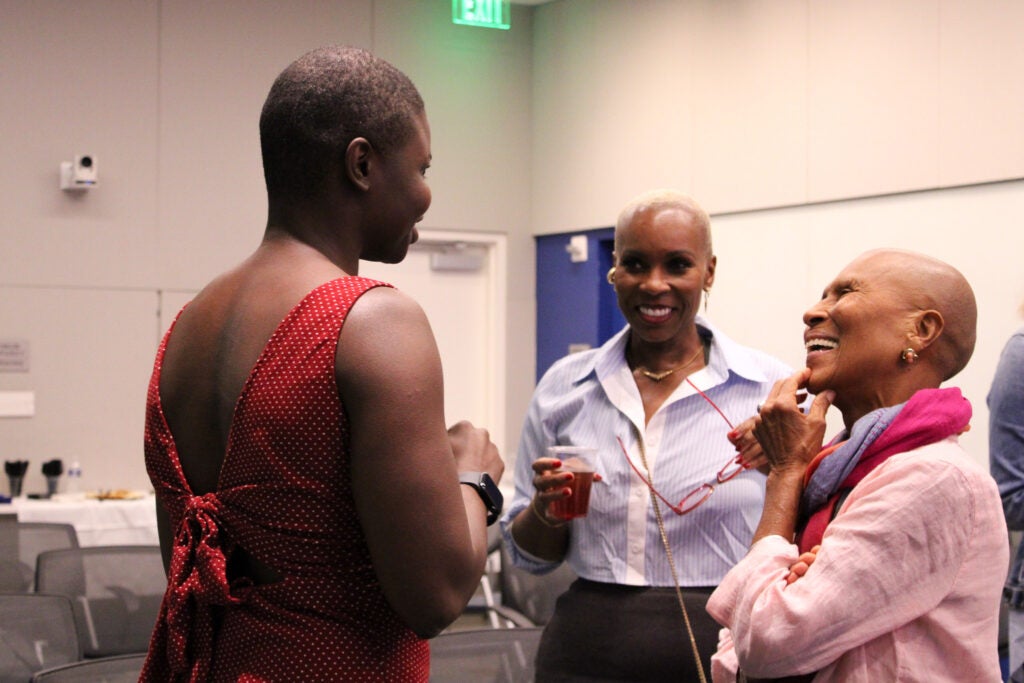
<point x="658" y="200"/>
<point x="931" y="284"/>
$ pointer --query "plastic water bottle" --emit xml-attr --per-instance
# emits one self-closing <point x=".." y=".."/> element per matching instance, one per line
<point x="74" y="477"/>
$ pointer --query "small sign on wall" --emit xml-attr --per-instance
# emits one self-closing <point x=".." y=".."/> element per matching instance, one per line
<point x="14" y="355"/>
<point x="17" y="403"/>
<point x="486" y="13"/>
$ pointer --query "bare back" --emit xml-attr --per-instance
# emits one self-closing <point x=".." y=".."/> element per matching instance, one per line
<point x="217" y="341"/>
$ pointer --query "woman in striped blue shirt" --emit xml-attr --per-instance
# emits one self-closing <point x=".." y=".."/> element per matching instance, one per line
<point x="666" y="403"/>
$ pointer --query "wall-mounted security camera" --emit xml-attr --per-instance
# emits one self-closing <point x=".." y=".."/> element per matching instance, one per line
<point x="79" y="174"/>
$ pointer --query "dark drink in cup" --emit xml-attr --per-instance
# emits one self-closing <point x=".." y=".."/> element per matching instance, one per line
<point x="579" y="461"/>
<point x="575" y="505"/>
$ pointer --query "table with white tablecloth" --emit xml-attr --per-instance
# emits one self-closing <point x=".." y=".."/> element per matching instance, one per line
<point x="97" y="522"/>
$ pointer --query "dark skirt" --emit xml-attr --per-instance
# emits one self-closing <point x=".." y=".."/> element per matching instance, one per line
<point x="609" y="632"/>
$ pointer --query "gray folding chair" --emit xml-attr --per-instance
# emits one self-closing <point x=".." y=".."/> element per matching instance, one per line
<point x="484" y="655"/>
<point x="37" y="631"/>
<point x="118" y="669"/>
<point x="21" y="543"/>
<point x="529" y="599"/>
<point x="115" y="592"/>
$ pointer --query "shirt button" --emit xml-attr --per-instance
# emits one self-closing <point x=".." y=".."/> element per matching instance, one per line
<point x="635" y="549"/>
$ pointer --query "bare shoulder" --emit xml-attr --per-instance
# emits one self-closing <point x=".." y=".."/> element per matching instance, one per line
<point x="384" y="301"/>
<point x="386" y="334"/>
<point x="382" y="313"/>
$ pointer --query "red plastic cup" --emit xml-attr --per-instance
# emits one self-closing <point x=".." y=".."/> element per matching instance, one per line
<point x="580" y="461"/>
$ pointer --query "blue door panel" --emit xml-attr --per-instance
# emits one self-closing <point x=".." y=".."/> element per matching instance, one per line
<point x="575" y="303"/>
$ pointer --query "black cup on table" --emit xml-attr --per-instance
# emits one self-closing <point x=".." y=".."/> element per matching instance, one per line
<point x="15" y="471"/>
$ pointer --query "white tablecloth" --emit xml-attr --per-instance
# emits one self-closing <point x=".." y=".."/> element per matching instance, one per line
<point x="97" y="522"/>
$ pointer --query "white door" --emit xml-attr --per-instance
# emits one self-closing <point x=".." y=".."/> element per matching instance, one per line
<point x="459" y="280"/>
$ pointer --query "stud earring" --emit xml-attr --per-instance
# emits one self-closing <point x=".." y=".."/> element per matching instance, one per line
<point x="611" y="275"/>
<point x="909" y="356"/>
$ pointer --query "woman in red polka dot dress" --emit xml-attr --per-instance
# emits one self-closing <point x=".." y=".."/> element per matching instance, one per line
<point x="310" y="508"/>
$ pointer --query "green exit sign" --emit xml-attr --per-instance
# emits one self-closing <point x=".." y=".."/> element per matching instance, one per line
<point x="489" y="13"/>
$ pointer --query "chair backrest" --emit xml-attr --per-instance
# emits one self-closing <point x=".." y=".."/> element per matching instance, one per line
<point x="116" y="669"/>
<point x="115" y="591"/>
<point x="37" y="631"/>
<point x="532" y="595"/>
<point x="21" y="543"/>
<point x="492" y="655"/>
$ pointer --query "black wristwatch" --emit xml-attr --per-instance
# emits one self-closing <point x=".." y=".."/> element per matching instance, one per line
<point x="488" y="490"/>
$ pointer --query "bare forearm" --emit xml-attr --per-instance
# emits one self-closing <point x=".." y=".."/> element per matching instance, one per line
<point x="540" y="536"/>
<point x="781" y="504"/>
<point x="476" y="516"/>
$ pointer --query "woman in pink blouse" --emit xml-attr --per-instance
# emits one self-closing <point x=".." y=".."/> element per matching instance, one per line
<point x="880" y="556"/>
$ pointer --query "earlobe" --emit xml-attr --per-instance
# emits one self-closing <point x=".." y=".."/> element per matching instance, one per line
<point x="358" y="162"/>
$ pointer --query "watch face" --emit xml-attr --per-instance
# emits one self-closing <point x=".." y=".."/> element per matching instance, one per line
<point x="493" y="491"/>
<point x="488" y="490"/>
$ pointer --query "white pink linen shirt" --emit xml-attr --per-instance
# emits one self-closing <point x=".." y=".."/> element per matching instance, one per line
<point x="906" y="586"/>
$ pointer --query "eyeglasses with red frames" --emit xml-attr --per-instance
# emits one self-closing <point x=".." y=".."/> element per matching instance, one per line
<point x="692" y="500"/>
<point x="695" y="498"/>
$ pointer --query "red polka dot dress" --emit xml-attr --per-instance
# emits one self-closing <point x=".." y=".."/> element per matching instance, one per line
<point x="285" y="496"/>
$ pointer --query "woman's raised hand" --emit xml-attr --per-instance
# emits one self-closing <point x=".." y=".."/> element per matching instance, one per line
<point x="788" y="437"/>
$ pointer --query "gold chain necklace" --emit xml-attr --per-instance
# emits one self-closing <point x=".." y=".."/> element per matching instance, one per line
<point x="658" y="376"/>
<point x="671" y="559"/>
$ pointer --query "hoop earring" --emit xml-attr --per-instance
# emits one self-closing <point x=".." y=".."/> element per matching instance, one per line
<point x="909" y="356"/>
<point x="611" y="275"/>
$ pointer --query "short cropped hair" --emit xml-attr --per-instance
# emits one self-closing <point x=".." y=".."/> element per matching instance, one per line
<point x="667" y="199"/>
<point x="319" y="104"/>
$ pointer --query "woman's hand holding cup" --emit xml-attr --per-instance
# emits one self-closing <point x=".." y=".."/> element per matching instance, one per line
<point x="563" y="483"/>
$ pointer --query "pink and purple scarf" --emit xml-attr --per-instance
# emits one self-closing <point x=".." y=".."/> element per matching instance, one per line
<point x="929" y="416"/>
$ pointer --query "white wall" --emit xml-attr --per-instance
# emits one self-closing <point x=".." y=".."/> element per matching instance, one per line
<point x="774" y="264"/>
<point x="166" y="95"/>
<point x="812" y="130"/>
<point x="751" y="105"/>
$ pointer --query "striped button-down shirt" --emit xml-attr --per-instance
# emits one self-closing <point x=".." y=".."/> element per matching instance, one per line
<point x="591" y="399"/>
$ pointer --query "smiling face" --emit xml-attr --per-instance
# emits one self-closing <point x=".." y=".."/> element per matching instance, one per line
<point x="856" y="332"/>
<point x="403" y="196"/>
<point x="663" y="264"/>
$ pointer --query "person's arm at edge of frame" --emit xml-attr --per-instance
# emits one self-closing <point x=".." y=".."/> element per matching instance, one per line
<point x="427" y="534"/>
<point x="1006" y="430"/>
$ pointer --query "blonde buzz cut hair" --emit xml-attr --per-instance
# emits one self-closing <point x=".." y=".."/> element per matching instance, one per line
<point x="665" y="199"/>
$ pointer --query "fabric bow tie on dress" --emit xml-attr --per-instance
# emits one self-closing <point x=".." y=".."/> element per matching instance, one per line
<point x="198" y="581"/>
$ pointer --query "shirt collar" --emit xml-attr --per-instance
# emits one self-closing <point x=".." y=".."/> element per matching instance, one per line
<point x="725" y="356"/>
